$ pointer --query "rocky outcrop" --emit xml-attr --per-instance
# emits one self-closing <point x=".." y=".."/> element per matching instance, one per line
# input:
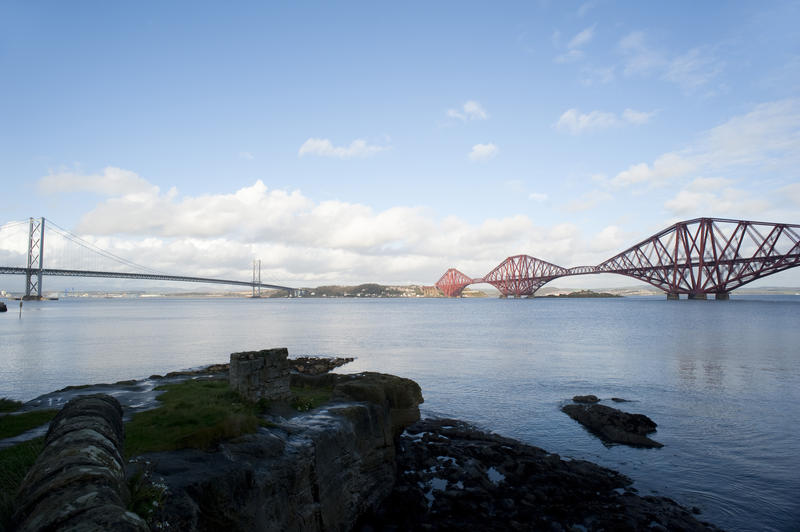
<point x="586" y="399"/>
<point x="317" y="365"/>
<point x="455" y="477"/>
<point x="614" y="425"/>
<point x="78" y="481"/>
<point x="261" y="374"/>
<point x="316" y="471"/>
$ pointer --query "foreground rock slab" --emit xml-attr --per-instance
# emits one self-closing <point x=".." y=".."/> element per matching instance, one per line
<point x="614" y="425"/>
<point x="452" y="476"/>
<point x="315" y="471"/>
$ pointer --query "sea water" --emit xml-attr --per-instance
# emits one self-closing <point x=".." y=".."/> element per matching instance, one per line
<point x="721" y="378"/>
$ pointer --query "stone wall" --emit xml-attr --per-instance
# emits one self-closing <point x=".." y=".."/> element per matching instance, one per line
<point x="78" y="481"/>
<point x="261" y="374"/>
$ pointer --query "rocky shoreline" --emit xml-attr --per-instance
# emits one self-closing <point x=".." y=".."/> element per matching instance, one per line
<point x="453" y="476"/>
<point x="366" y="462"/>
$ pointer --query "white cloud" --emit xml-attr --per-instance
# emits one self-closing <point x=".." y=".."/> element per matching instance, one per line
<point x="325" y="148"/>
<point x="575" y="122"/>
<point x="113" y="181"/>
<point x="482" y="152"/>
<point x="712" y="197"/>
<point x="582" y="38"/>
<point x="303" y="242"/>
<point x="597" y="75"/>
<point x="637" y="117"/>
<point x="639" y="57"/>
<point x="537" y="197"/>
<point x="690" y="70"/>
<point x="693" y="69"/>
<point x="763" y="141"/>
<point x="573" y="52"/>
<point x="665" y="167"/>
<point x="471" y="110"/>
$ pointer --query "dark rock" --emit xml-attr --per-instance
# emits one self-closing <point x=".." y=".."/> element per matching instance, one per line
<point x="452" y="476"/>
<point x="585" y="399"/>
<point x="620" y="400"/>
<point x="78" y="481"/>
<point x="614" y="425"/>
<point x="319" y="470"/>
<point x="3" y="307"/>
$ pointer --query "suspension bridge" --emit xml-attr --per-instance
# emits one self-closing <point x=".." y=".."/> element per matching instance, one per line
<point x="72" y="251"/>
<point x="696" y="258"/>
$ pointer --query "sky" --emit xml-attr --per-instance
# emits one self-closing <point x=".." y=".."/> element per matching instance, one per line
<point x="386" y="142"/>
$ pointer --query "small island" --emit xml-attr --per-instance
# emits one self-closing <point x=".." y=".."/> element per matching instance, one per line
<point x="583" y="294"/>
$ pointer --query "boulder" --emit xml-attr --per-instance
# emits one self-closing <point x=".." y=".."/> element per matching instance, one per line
<point x="614" y="425"/>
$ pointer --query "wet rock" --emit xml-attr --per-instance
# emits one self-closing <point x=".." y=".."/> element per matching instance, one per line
<point x="78" y="481"/>
<point x="452" y="476"/>
<point x="620" y="400"/>
<point x="585" y="399"/>
<point x="614" y="425"/>
<point x="3" y="307"/>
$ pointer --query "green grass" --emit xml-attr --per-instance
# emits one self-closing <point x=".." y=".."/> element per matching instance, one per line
<point x="9" y="405"/>
<point x="195" y="413"/>
<point x="14" y="425"/>
<point x="305" y="398"/>
<point x="15" y="462"/>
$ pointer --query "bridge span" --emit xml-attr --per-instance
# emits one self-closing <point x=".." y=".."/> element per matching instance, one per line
<point x="35" y="270"/>
<point x="698" y="258"/>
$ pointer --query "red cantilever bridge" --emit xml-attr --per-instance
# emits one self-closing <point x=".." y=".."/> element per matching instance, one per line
<point x="696" y="257"/>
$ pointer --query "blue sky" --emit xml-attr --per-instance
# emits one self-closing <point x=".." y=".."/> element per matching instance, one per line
<point x="357" y="142"/>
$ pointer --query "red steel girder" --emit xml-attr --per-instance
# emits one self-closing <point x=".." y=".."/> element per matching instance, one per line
<point x="696" y="257"/>
<point x="709" y="255"/>
<point x="522" y="275"/>
<point x="453" y="282"/>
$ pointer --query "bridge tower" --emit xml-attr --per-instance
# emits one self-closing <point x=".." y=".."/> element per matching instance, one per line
<point x="33" y="273"/>
<point x="256" y="278"/>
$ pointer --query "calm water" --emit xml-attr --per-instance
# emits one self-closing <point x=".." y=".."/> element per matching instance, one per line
<point x="721" y="379"/>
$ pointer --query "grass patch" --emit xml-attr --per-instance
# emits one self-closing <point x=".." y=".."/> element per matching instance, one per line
<point x="194" y="414"/>
<point x="15" y="461"/>
<point x="16" y="424"/>
<point x="305" y="398"/>
<point x="9" y="405"/>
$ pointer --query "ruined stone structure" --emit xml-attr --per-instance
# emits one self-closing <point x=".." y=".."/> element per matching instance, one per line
<point x="261" y="374"/>
<point x="78" y="481"/>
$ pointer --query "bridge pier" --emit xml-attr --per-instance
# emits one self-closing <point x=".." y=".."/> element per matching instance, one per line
<point x="673" y="296"/>
<point x="722" y="296"/>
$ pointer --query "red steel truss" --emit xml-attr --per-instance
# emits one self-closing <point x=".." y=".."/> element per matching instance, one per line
<point x="453" y="282"/>
<point x="696" y="257"/>
<point x="709" y="255"/>
<point x="522" y="275"/>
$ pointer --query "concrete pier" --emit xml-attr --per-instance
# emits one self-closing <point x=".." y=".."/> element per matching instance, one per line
<point x="722" y="296"/>
<point x="673" y="296"/>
